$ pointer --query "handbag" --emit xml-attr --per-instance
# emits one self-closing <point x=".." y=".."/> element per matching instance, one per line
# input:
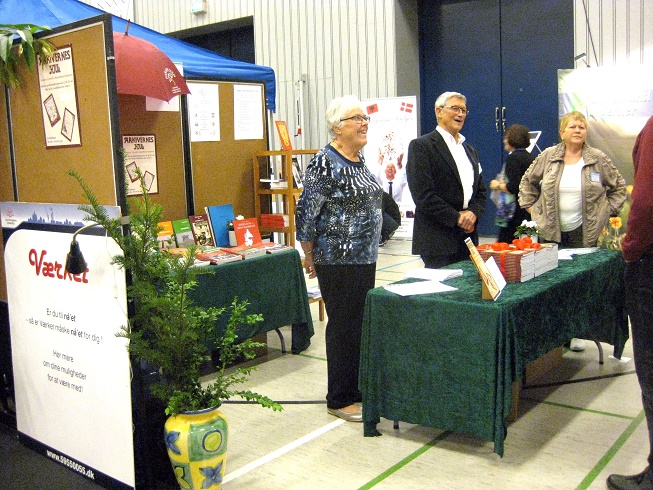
<point x="506" y="203"/>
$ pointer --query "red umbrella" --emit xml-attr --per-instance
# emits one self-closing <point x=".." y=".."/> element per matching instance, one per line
<point x="143" y="69"/>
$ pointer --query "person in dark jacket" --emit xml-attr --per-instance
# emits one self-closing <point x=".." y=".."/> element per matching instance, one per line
<point x="516" y="139"/>
<point x="444" y="178"/>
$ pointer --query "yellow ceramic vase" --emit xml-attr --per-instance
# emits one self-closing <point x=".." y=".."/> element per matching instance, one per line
<point x="197" y="447"/>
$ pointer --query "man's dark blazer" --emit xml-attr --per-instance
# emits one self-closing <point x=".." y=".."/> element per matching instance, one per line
<point x="437" y="191"/>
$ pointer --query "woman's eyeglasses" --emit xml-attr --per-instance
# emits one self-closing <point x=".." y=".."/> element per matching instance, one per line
<point x="358" y="119"/>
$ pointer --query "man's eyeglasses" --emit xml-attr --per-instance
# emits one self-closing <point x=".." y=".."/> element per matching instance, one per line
<point x="358" y="119"/>
<point x="456" y="109"/>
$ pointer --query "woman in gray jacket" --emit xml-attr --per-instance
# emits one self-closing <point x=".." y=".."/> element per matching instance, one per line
<point x="571" y="189"/>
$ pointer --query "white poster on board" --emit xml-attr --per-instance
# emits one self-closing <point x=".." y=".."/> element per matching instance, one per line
<point x="393" y="124"/>
<point x="59" y="99"/>
<point x="248" y="112"/>
<point x="71" y="373"/>
<point x="204" y="111"/>
<point x="140" y="154"/>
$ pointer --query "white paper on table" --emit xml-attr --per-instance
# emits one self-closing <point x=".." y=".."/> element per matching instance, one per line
<point x="433" y="274"/>
<point x="421" y="287"/>
<point x="566" y="253"/>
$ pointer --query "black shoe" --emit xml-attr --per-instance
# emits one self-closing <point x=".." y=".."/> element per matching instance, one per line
<point x="642" y="481"/>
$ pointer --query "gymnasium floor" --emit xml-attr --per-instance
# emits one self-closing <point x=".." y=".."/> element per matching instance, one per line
<point x="567" y="436"/>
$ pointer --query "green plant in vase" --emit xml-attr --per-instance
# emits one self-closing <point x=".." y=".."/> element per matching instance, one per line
<point x="527" y="228"/>
<point x="169" y="333"/>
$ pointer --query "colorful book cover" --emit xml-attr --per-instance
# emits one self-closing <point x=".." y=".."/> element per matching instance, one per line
<point x="201" y="230"/>
<point x="274" y="220"/>
<point x="219" y="256"/>
<point x="166" y="235"/>
<point x="219" y="216"/>
<point x="284" y="135"/>
<point x="247" y="252"/>
<point x="183" y="232"/>
<point x="272" y="248"/>
<point x="247" y="232"/>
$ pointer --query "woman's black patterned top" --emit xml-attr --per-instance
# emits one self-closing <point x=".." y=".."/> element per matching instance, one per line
<point x="339" y="210"/>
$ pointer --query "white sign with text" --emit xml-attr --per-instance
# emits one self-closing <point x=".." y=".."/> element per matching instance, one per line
<point x="71" y="373"/>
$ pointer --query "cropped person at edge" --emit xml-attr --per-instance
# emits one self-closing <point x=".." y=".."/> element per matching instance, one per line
<point x="339" y="225"/>
<point x="444" y="178"/>
<point x="637" y="249"/>
<point x="571" y="190"/>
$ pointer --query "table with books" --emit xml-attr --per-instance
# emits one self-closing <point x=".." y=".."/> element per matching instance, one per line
<point x="274" y="286"/>
<point x="448" y="360"/>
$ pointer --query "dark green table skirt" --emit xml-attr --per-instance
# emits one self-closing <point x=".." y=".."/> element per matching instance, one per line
<point x="275" y="287"/>
<point x="447" y="360"/>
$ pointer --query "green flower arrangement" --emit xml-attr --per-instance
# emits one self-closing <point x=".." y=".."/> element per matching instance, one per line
<point x="528" y="228"/>
<point x="614" y="232"/>
<point x="610" y="237"/>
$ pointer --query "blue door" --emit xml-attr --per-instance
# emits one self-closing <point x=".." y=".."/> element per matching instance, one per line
<point x="503" y="55"/>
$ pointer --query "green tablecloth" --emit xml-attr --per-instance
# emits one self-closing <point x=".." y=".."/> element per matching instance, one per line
<point x="275" y="287"/>
<point x="447" y="360"/>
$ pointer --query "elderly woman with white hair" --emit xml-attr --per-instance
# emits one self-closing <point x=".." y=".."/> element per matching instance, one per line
<point x="338" y="222"/>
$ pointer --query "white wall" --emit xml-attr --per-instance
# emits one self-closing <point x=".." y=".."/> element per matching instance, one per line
<point x="369" y="47"/>
<point x="338" y="47"/>
<point x="613" y="32"/>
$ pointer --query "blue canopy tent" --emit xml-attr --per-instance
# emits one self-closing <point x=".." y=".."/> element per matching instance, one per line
<point x="197" y="62"/>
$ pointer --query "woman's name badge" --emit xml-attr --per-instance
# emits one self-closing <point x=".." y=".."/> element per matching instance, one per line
<point x="595" y="177"/>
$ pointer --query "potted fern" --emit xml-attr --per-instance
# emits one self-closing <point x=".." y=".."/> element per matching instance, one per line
<point x="171" y="335"/>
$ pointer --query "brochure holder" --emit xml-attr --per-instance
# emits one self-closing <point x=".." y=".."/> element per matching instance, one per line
<point x="489" y="289"/>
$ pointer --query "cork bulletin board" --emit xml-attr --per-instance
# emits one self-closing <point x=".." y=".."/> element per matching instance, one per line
<point x="41" y="172"/>
<point x="222" y="171"/>
<point x="166" y="127"/>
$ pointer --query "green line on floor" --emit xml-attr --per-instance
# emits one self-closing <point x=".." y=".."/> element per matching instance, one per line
<point x="398" y="264"/>
<point x="611" y="452"/>
<point x="563" y="405"/>
<point x="312" y="357"/>
<point x="405" y="461"/>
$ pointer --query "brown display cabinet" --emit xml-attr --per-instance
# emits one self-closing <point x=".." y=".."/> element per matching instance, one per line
<point x="278" y="197"/>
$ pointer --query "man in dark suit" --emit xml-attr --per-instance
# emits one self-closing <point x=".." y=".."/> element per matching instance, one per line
<point x="444" y="178"/>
